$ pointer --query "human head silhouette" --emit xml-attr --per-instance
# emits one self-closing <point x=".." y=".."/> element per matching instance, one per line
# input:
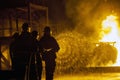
<point x="34" y="33"/>
<point x="47" y="30"/>
<point x="25" y="26"/>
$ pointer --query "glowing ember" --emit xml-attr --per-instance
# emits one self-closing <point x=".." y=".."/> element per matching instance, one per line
<point x="110" y="33"/>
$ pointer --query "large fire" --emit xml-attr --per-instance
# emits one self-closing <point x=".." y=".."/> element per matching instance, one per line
<point x="111" y="33"/>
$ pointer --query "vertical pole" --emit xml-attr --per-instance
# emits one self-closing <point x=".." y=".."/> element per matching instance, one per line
<point x="47" y="16"/>
<point x="3" y="26"/>
<point x="16" y="20"/>
<point x="29" y="13"/>
<point x="10" y="23"/>
<point x="0" y="57"/>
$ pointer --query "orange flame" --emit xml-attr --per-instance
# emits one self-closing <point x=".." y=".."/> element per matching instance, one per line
<point x="110" y="33"/>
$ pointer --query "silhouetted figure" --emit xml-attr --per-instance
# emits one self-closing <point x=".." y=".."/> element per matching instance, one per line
<point x="12" y="48"/>
<point x="48" y="47"/>
<point x="36" y="61"/>
<point x="23" y="51"/>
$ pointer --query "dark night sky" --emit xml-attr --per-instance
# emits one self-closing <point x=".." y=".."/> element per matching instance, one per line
<point x="77" y="11"/>
<point x="56" y="8"/>
<point x="57" y="11"/>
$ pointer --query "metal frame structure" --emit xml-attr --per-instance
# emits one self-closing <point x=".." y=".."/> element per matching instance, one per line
<point x="27" y="9"/>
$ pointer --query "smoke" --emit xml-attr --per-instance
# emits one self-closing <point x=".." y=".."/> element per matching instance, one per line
<point x="80" y="47"/>
<point x="87" y="15"/>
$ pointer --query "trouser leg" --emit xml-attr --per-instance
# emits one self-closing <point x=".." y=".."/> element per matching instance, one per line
<point x="50" y="69"/>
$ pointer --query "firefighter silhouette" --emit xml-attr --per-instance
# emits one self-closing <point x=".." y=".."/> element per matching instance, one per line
<point x="12" y="48"/>
<point x="22" y="51"/>
<point x="36" y="61"/>
<point x="48" y="48"/>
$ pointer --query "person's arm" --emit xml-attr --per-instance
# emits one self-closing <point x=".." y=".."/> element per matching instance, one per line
<point x="56" y="46"/>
